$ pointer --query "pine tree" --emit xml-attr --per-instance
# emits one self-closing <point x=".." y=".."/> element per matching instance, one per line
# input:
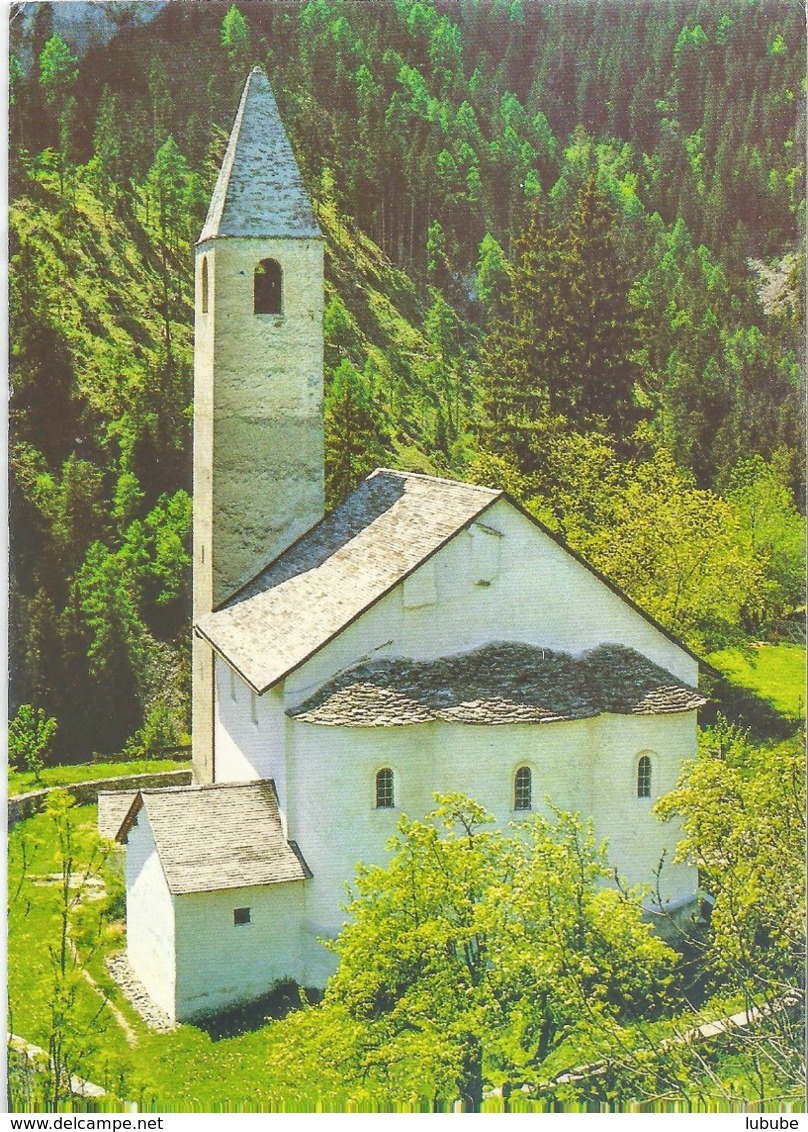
<point x="598" y="355"/>
<point x="519" y="401"/>
<point x="354" y="433"/>
<point x="58" y="70"/>
<point x="235" y="37"/>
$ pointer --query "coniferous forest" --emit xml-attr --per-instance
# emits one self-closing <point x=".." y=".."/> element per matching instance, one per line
<point x="565" y="256"/>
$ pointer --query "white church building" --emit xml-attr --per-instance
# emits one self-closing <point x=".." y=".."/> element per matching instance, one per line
<point x="426" y="636"/>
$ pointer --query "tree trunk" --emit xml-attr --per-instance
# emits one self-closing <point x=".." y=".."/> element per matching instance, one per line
<point x="471" y="1083"/>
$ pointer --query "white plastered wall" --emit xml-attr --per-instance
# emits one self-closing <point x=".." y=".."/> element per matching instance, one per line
<point x="533" y="592"/>
<point x="221" y="964"/>
<point x="258" y="430"/>
<point x="258" y="425"/>
<point x="249" y="732"/>
<point x="150" y="927"/>
<point x="638" y="839"/>
<point x="539" y="595"/>
<point x="584" y="766"/>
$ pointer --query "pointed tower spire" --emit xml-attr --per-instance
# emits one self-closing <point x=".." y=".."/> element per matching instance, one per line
<point x="259" y="191"/>
<point x="258" y="379"/>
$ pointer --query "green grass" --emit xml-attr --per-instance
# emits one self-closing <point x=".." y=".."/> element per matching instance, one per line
<point x="186" y="1070"/>
<point x="775" y="673"/>
<point x="20" y="782"/>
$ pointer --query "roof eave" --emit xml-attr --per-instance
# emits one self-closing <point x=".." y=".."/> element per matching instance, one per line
<point x="213" y="236"/>
<point x="129" y="818"/>
<point x="230" y="662"/>
<point x="181" y="891"/>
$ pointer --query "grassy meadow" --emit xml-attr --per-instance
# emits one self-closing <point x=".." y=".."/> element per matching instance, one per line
<point x="224" y="1068"/>
<point x="774" y="673"/>
<point x="20" y="781"/>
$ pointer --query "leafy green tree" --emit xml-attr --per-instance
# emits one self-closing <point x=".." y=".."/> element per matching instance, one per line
<point x="168" y="188"/>
<point x="17" y="119"/>
<point x="72" y="1036"/>
<point x="30" y="739"/>
<point x="437" y="266"/>
<point x="35" y="647"/>
<point x="580" y="493"/>
<point x="564" y="345"/>
<point x="492" y="276"/>
<point x="601" y="325"/>
<point x="106" y="652"/>
<point x="445" y="369"/>
<point x="742" y="811"/>
<point x="108" y="147"/>
<point x="72" y="504"/>
<point x="676" y="550"/>
<point x="161" y="104"/>
<point x="154" y="558"/>
<point x="473" y="956"/>
<point x="161" y="732"/>
<point x="690" y="56"/>
<point x="114" y="631"/>
<point x="68" y="124"/>
<point x="126" y="499"/>
<point x="773" y="531"/>
<point x="44" y="403"/>
<point x="519" y="401"/>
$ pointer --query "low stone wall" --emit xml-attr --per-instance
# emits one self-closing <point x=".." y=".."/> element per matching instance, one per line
<point x="25" y="805"/>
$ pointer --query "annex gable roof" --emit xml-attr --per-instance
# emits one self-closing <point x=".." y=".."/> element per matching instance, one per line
<point x="216" y="837"/>
<point x="259" y="191"/>
<point x="389" y="526"/>
<point x="113" y="806"/>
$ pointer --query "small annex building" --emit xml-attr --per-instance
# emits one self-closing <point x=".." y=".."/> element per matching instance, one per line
<point x="426" y="636"/>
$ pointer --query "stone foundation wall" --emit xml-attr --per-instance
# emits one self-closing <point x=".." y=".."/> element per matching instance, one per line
<point x="26" y="805"/>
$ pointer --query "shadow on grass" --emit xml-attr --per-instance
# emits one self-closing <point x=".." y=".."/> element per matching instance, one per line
<point x="270" y="1007"/>
<point x="746" y="710"/>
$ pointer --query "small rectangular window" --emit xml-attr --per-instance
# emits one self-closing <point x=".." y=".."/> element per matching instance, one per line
<point x="241" y="916"/>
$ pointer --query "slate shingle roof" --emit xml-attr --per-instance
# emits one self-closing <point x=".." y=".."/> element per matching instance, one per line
<point x="502" y="683"/>
<point x="386" y="528"/>
<point x="113" y="806"/>
<point x="215" y="837"/>
<point x="259" y="191"/>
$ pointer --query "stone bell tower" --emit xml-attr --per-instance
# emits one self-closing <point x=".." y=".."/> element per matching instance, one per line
<point x="258" y="376"/>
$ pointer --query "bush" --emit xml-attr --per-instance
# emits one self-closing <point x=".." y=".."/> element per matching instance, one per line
<point x="30" y="738"/>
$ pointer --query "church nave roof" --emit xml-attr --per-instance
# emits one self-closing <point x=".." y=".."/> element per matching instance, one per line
<point x="382" y="532"/>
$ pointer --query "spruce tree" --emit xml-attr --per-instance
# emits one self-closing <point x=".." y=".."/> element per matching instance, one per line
<point x="597" y="359"/>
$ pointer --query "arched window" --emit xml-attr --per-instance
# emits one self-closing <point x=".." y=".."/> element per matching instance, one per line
<point x="385" y="799"/>
<point x="204" y="285"/>
<point x="268" y="287"/>
<point x="522" y="789"/>
<point x="644" y="777"/>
